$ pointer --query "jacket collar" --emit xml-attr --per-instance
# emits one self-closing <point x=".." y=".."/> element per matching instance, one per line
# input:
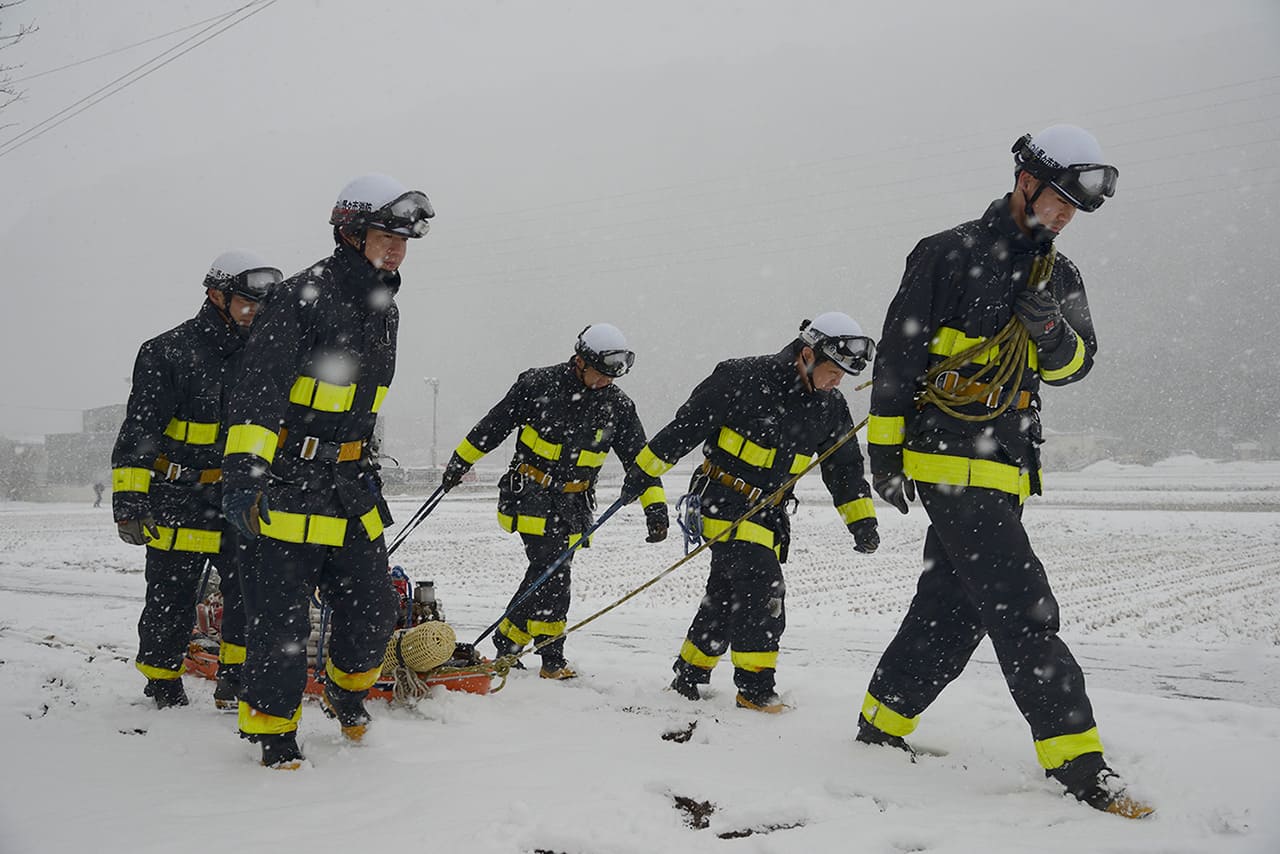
<point x="999" y="220"/>
<point x="218" y="329"/>
<point x="356" y="277"/>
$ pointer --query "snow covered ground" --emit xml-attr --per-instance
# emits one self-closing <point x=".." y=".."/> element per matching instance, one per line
<point x="1168" y="577"/>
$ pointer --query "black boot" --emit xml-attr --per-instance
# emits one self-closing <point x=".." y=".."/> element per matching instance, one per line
<point x="166" y="692"/>
<point x="870" y="734"/>
<point x="226" y="695"/>
<point x="685" y="688"/>
<point x="280" y="751"/>
<point x="688" y="678"/>
<point x="1091" y="781"/>
<point x="348" y="708"/>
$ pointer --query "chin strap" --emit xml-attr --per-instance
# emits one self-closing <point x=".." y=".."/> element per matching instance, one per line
<point x="1039" y="233"/>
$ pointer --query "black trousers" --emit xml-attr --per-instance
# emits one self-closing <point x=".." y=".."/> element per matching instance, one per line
<point x="982" y="578"/>
<point x="169" y="611"/>
<point x="278" y="583"/>
<point x="543" y="615"/>
<point x="744" y="609"/>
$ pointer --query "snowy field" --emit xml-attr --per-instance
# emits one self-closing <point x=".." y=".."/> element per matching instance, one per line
<point x="1168" y="577"/>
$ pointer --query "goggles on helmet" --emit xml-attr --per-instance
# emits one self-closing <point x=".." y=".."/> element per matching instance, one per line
<point x="1085" y="185"/>
<point x="611" y="363"/>
<point x="406" y="215"/>
<point x="255" y="284"/>
<point x="851" y="353"/>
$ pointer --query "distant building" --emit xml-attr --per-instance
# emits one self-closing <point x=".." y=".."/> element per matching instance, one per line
<point x="1073" y="451"/>
<point x="84" y="458"/>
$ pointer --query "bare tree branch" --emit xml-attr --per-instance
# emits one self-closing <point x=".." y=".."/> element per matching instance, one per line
<point x="8" y="94"/>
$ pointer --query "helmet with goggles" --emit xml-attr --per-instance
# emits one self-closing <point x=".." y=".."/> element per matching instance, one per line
<point x="602" y="346"/>
<point x="382" y="202"/>
<point x="835" y="336"/>
<point x="1069" y="159"/>
<point x="244" y="274"/>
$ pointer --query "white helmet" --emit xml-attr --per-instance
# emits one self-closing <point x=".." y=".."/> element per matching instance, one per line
<point x="836" y="336"/>
<point x="604" y="347"/>
<point x="243" y="272"/>
<point x="1070" y="159"/>
<point x="382" y="202"/>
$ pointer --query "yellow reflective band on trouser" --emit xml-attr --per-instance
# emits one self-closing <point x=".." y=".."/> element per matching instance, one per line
<point x="886" y="719"/>
<point x="468" y="452"/>
<point x="130" y="480"/>
<point x="1069" y="368"/>
<point x="800" y="463"/>
<point x="372" y="522"/>
<point x="316" y="529"/>
<point x="653" y="495"/>
<point x="540" y="628"/>
<point x="749" y="531"/>
<point x="318" y="394"/>
<point x="252" y="439"/>
<point x="1053" y="752"/>
<point x="754" y="662"/>
<point x="540" y="446"/>
<point x="690" y="654"/>
<point x="651" y="464"/>
<point x="192" y="432"/>
<point x="161" y="673"/>
<point x="512" y="632"/>
<point x="185" y="540"/>
<point x="860" y="508"/>
<point x="745" y="449"/>
<point x="885" y="430"/>
<point x="254" y="722"/>
<point x="361" y="681"/>
<point x="231" y="653"/>
<point x="592" y="459"/>
<point x="535" y="525"/>
<point x="379" y="396"/>
<point x="962" y="471"/>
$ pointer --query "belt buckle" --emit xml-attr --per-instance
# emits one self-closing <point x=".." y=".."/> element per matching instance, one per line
<point x="993" y="397"/>
<point x="310" y="445"/>
<point x="941" y="380"/>
<point x="739" y="485"/>
<point x="173" y="472"/>
<point x="754" y="495"/>
<point x="545" y="480"/>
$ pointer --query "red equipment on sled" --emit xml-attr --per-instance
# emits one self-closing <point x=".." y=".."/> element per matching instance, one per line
<point x="466" y="670"/>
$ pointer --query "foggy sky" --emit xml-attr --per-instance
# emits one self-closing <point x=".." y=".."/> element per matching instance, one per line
<point x="702" y="175"/>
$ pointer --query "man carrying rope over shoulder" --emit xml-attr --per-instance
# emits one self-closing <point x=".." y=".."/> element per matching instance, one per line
<point x="986" y="312"/>
<point x="760" y="421"/>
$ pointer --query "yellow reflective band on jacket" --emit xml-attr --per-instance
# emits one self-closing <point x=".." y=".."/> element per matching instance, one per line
<point x="800" y="463"/>
<point x="653" y="495"/>
<point x="318" y="394"/>
<point x="535" y="525"/>
<point x="859" y="508"/>
<point x="962" y="471"/>
<point x="192" y="432"/>
<point x="690" y="654"/>
<point x="254" y="722"/>
<point x="745" y="449"/>
<point x="1077" y="361"/>
<point x="379" y="396"/>
<point x="231" y="653"/>
<point x="361" y="681"/>
<point x="712" y="529"/>
<point x="185" y="540"/>
<point x="883" y="430"/>
<point x="312" y="529"/>
<point x="1053" y="752"/>
<point x="592" y="459"/>
<point x="252" y="439"/>
<point x="949" y="341"/>
<point x="512" y="632"/>
<point x="469" y="453"/>
<point x="372" y="522"/>
<point x="162" y="673"/>
<point x="651" y="464"/>
<point x="754" y="662"/>
<point x="540" y="628"/>
<point x="130" y="480"/>
<point x="886" y="719"/>
<point x="541" y="447"/>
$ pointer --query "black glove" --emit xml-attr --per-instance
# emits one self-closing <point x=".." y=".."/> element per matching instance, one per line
<point x="866" y="535"/>
<point x="131" y="530"/>
<point x="655" y="516"/>
<point x="897" y="489"/>
<point x="1041" y="315"/>
<point x="636" y="482"/>
<point x="244" y="508"/>
<point x="453" y="472"/>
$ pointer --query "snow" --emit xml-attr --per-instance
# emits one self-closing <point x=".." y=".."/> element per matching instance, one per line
<point x="1168" y="579"/>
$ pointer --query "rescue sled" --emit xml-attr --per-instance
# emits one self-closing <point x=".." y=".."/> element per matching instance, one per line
<point x="465" y="670"/>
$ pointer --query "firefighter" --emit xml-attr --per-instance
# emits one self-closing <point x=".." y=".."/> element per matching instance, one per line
<point x="569" y="416"/>
<point x="760" y="421"/>
<point x="166" y="477"/>
<point x="300" y="476"/>
<point x="941" y="425"/>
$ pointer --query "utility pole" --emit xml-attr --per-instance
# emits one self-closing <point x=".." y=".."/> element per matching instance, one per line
<point x="434" y="382"/>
